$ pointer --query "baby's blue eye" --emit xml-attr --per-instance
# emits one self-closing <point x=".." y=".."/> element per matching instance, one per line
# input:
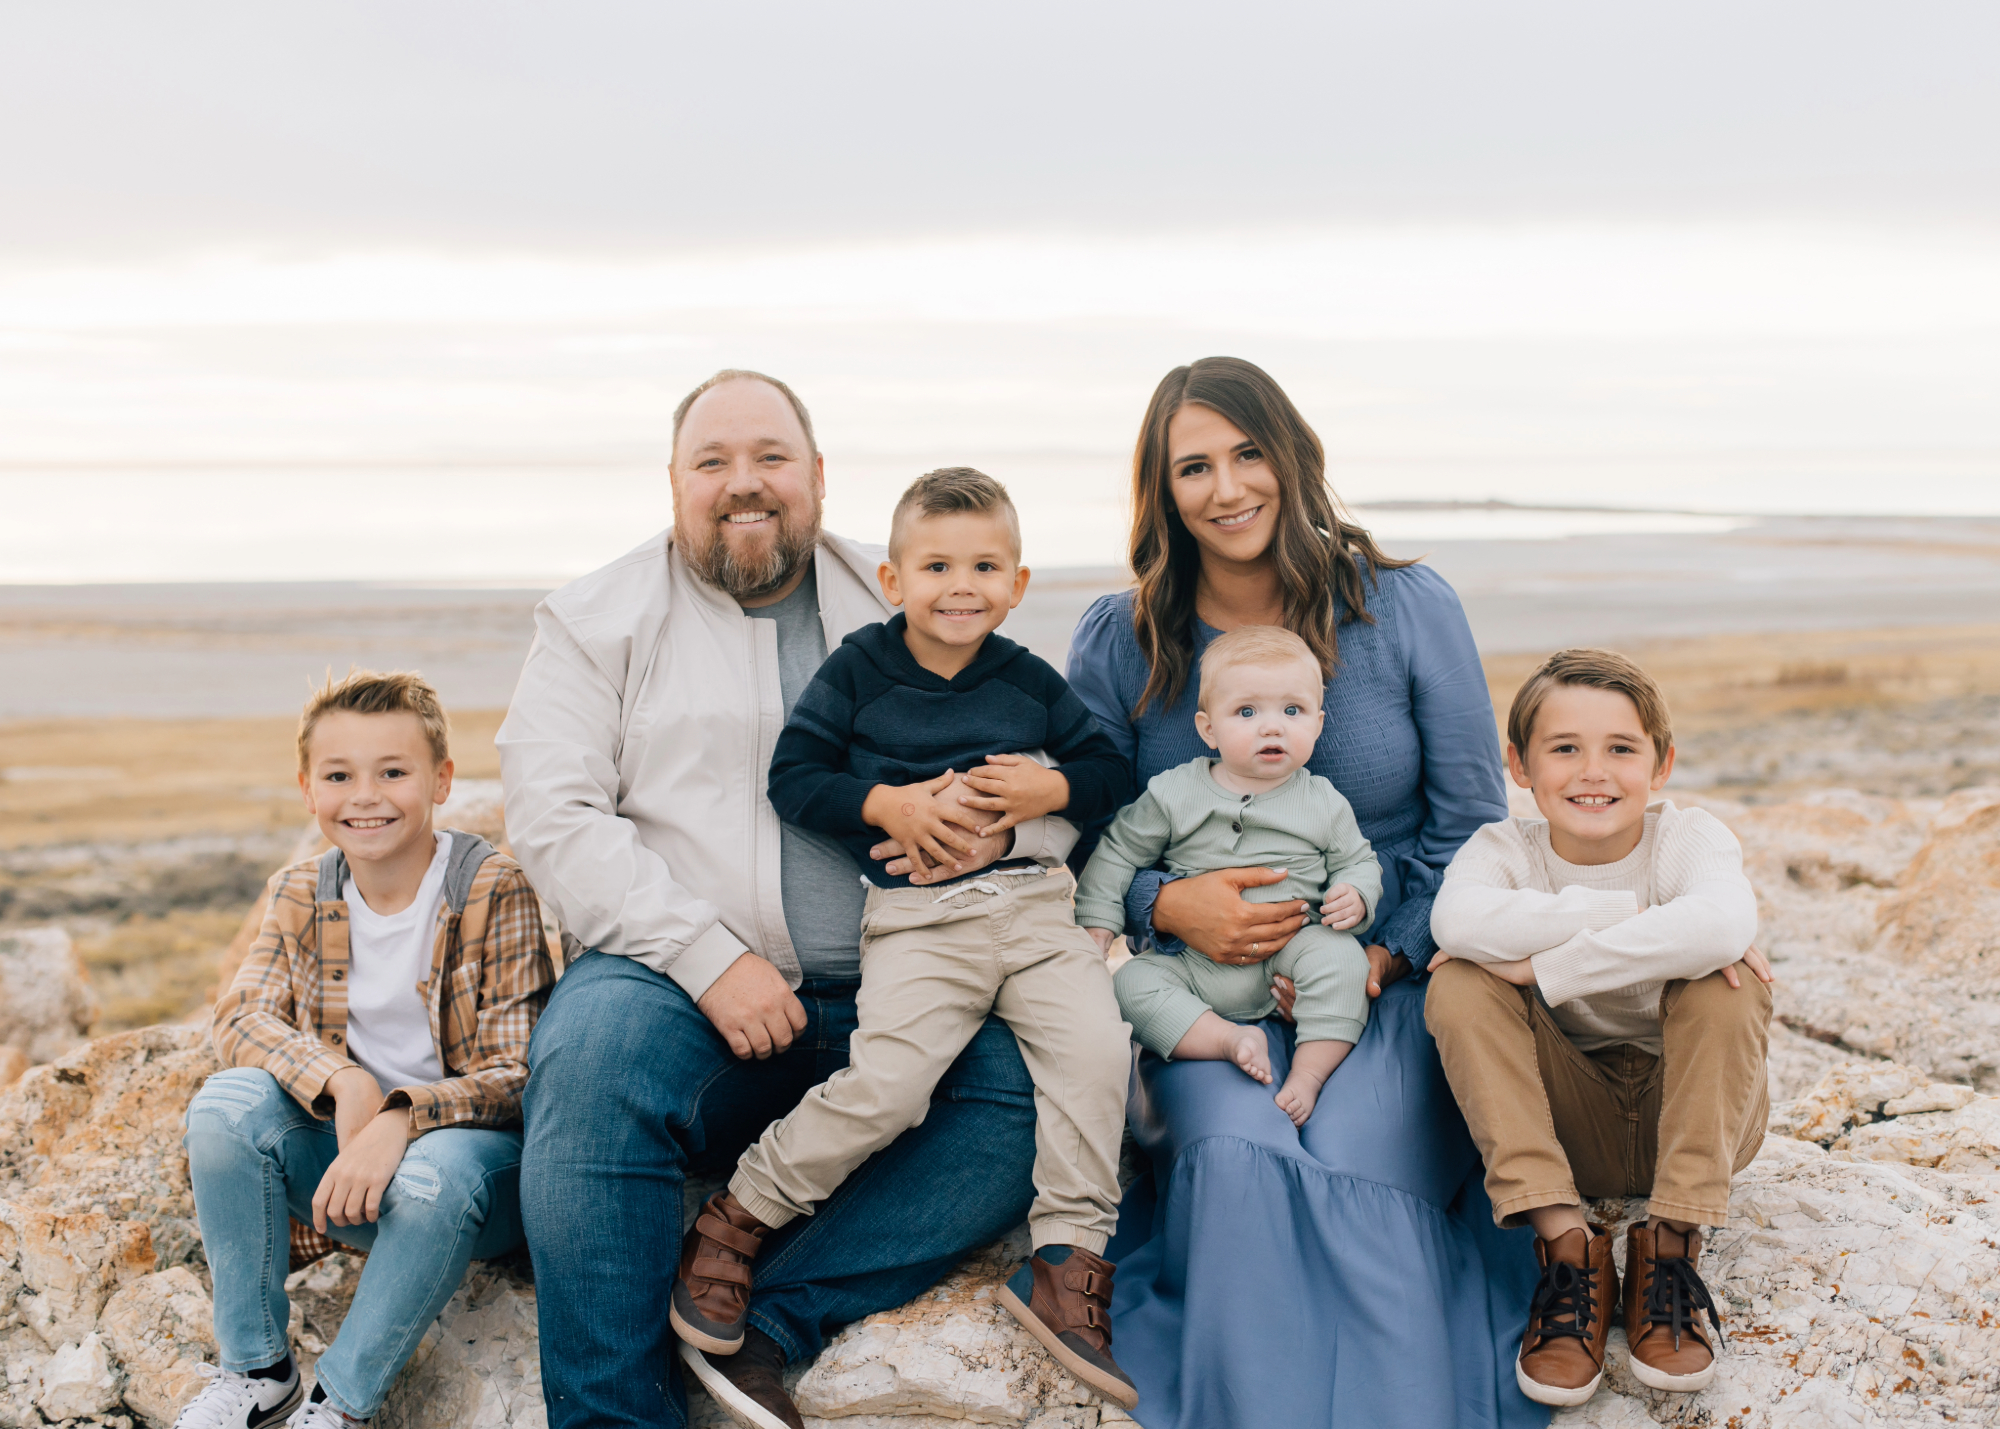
<point x="1248" y="712"/>
<point x="1293" y="711"/>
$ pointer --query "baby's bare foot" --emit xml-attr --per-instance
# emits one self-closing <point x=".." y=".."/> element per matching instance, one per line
<point x="1298" y="1096"/>
<point x="1249" y="1051"/>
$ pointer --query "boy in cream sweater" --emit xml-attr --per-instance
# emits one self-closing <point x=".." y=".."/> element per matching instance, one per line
<point x="1591" y="1017"/>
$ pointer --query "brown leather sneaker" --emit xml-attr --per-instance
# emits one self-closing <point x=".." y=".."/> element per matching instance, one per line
<point x="1569" y="1320"/>
<point x="750" y="1386"/>
<point x="712" y="1290"/>
<point x="1066" y="1304"/>
<point x="1664" y="1303"/>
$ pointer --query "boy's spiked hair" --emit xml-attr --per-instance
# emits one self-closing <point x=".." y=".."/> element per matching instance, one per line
<point x="947" y="491"/>
<point x="1252" y="645"/>
<point x="371" y="692"/>
<point x="1600" y="670"/>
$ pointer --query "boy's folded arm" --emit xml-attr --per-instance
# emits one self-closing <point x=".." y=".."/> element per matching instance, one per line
<point x="559" y="768"/>
<point x="1135" y="839"/>
<point x="1099" y="777"/>
<point x="810" y="787"/>
<point x="255" y="1022"/>
<point x="1484" y="924"/>
<point x="516" y="977"/>
<point x="1702" y="931"/>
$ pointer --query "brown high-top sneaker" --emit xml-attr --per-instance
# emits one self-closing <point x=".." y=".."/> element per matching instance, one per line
<point x="712" y="1290"/>
<point x="1664" y="1304"/>
<point x="1063" y="1297"/>
<point x="1569" y="1320"/>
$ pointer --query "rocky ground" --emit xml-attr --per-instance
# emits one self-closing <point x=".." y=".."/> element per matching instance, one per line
<point x="1860" y="1272"/>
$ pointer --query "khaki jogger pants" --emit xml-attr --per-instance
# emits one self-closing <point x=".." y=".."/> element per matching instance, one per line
<point x="1551" y="1120"/>
<point x="934" y="963"/>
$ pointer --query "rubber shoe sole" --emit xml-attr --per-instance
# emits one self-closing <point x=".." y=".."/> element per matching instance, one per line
<point x="1552" y="1394"/>
<point x="1673" y="1383"/>
<point x="1116" y="1390"/>
<point x="733" y="1401"/>
<point x="692" y="1334"/>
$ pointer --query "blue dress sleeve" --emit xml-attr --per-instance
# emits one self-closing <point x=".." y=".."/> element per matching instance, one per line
<point x="1454" y="716"/>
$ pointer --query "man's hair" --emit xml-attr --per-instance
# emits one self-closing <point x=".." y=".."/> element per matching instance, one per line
<point x="744" y="374"/>
<point x="948" y="491"/>
<point x="1264" y="645"/>
<point x="1599" y="670"/>
<point x="370" y="692"/>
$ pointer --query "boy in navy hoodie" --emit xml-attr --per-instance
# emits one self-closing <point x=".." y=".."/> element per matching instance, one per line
<point x="893" y="718"/>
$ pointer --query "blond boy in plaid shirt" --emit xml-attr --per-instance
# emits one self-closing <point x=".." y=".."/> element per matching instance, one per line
<point x="376" y="1041"/>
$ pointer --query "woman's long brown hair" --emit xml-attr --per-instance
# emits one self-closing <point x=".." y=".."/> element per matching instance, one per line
<point x="1320" y="555"/>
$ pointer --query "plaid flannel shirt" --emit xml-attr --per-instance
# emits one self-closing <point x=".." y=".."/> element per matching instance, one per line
<point x="490" y="976"/>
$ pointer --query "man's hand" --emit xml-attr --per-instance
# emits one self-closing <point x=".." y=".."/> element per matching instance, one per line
<point x="351" y="1190"/>
<point x="1384" y="968"/>
<point x="910" y="815"/>
<point x="753" y="1009"/>
<point x="1017" y="788"/>
<point x="984" y="850"/>
<point x="1756" y="962"/>
<point x="356" y="1098"/>
<point x="1209" y="913"/>
<point x="1343" y="907"/>
<point x="1104" y="938"/>
<point x="1520" y="973"/>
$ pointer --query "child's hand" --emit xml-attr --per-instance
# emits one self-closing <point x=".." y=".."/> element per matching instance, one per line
<point x="356" y="1099"/>
<point x="351" y="1190"/>
<point x="1756" y="962"/>
<point x="1017" y="788"/>
<point x="1104" y="938"/>
<point x="1343" y="907"/>
<point x="907" y="814"/>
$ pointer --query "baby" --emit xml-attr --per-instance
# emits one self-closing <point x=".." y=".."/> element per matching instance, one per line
<point x="1255" y="803"/>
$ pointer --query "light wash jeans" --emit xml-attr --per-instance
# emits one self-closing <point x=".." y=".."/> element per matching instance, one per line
<point x="256" y="1156"/>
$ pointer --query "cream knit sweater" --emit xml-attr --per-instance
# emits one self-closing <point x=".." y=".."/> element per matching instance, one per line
<point x="1605" y="938"/>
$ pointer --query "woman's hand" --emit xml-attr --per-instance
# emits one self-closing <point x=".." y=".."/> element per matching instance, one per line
<point x="1015" y="787"/>
<point x="1384" y="968"/>
<point x="909" y="814"/>
<point x="1209" y="913"/>
<point x="351" y="1190"/>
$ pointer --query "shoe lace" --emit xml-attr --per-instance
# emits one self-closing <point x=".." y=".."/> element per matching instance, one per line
<point x="1565" y="1301"/>
<point x="219" y="1401"/>
<point x="1675" y="1294"/>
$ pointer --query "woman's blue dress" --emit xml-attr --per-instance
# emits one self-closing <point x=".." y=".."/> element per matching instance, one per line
<point x="1348" y="1273"/>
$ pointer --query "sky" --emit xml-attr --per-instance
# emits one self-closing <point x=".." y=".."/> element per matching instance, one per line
<point x="392" y="291"/>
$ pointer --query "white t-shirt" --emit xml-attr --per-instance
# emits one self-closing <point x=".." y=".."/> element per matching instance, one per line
<point x="388" y="1022"/>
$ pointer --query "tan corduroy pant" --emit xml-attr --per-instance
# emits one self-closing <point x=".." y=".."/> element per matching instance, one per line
<point x="1552" y="1121"/>
<point x="932" y="968"/>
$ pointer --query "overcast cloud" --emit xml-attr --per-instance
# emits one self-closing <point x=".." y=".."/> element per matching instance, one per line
<point x="148" y="128"/>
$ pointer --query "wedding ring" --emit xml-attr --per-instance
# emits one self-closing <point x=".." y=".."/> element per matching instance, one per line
<point x="1253" y="947"/>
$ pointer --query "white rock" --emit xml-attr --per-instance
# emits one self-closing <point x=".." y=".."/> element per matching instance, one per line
<point x="46" y="1004"/>
<point x="478" y="1367"/>
<point x="161" y="1327"/>
<point x="78" y="1380"/>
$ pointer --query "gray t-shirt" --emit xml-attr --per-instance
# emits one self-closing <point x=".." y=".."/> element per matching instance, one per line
<point x="822" y="885"/>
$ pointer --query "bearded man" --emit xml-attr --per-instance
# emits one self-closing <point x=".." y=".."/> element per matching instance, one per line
<point x="712" y="952"/>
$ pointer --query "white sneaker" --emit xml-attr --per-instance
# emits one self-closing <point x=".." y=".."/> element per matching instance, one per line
<point x="236" y="1401"/>
<point x="321" y="1416"/>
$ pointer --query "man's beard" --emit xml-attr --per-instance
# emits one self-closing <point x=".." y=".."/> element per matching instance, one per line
<point x="746" y="577"/>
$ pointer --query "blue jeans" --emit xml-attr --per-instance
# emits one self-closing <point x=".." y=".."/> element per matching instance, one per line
<point x="631" y="1088"/>
<point x="255" y="1157"/>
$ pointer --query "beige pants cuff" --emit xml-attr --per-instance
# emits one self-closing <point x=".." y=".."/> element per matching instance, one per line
<point x="771" y="1212"/>
<point x="1046" y="1233"/>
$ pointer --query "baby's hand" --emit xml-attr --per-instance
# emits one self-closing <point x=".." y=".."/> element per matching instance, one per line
<point x="1343" y="907"/>
<point x="1104" y="938"/>
<point x="1017" y="788"/>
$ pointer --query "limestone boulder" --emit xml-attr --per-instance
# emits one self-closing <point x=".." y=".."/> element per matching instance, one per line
<point x="479" y="1366"/>
<point x="161" y="1328"/>
<point x="46" y="1005"/>
<point x="1945" y="912"/>
<point x="79" y="1381"/>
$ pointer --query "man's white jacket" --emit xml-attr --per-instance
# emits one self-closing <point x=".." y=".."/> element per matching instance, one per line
<point x="634" y="758"/>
